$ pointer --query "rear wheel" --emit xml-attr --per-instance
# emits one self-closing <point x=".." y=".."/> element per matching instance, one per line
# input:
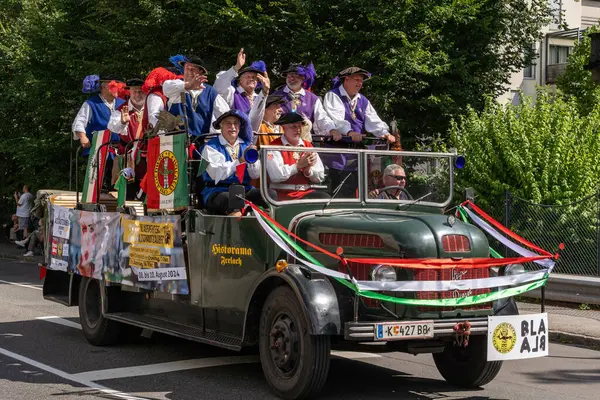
<point x="467" y="367"/>
<point x="98" y="330"/>
<point x="294" y="362"/>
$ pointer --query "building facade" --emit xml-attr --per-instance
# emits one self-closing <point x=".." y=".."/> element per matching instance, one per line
<point x="555" y="46"/>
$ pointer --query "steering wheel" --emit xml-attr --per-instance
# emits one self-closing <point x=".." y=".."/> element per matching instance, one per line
<point x="401" y="188"/>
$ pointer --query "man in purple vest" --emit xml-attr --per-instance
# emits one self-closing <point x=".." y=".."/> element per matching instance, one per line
<point x="238" y="85"/>
<point x="299" y="99"/>
<point x="345" y="103"/>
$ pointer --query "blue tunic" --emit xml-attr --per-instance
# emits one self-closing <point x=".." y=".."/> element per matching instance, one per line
<point x="100" y="115"/>
<point x="200" y="117"/>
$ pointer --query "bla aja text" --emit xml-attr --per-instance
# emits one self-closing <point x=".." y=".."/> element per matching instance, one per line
<point x="534" y="336"/>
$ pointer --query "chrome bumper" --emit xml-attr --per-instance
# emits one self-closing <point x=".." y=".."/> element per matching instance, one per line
<point x="365" y="331"/>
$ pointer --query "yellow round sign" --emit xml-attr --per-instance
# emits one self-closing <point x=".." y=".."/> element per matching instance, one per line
<point x="166" y="172"/>
<point x="505" y="338"/>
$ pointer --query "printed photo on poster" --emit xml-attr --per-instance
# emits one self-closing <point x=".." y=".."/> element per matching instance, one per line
<point x="94" y="243"/>
<point x="59" y="238"/>
<point x="152" y="255"/>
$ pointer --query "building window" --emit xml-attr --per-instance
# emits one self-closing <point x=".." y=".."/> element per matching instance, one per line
<point x="529" y="72"/>
<point x="559" y="54"/>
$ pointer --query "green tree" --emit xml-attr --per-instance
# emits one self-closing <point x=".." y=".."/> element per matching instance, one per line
<point x="545" y="152"/>
<point x="431" y="59"/>
<point x="576" y="82"/>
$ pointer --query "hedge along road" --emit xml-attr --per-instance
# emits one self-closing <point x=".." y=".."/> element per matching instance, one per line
<point x="43" y="354"/>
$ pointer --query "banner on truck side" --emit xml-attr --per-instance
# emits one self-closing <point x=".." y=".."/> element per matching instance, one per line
<point x="515" y="337"/>
<point x="152" y="255"/>
<point x="59" y="238"/>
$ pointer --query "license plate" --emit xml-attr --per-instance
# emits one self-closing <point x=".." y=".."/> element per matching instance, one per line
<point x="404" y="330"/>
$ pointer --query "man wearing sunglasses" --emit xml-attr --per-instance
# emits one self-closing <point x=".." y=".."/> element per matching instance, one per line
<point x="394" y="176"/>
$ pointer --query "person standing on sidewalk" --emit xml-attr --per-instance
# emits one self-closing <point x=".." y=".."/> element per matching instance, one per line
<point x="24" y="209"/>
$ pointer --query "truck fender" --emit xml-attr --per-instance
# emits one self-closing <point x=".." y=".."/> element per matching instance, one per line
<point x="506" y="306"/>
<point x="314" y="291"/>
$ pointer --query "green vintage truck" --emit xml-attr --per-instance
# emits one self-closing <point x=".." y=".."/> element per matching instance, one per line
<point x="246" y="291"/>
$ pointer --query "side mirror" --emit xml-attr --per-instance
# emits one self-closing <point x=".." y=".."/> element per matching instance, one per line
<point x="237" y="195"/>
<point x="469" y="194"/>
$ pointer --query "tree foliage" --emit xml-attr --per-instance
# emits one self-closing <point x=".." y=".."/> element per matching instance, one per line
<point x="576" y="82"/>
<point x="546" y="152"/>
<point x="431" y="59"/>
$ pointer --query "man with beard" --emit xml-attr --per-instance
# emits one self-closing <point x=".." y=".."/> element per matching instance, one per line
<point x="238" y="84"/>
<point x="299" y="99"/>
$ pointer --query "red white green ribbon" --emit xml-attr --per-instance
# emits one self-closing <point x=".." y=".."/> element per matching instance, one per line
<point x="368" y="289"/>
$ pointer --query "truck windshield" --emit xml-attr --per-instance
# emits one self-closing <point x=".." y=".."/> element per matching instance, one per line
<point x="315" y="175"/>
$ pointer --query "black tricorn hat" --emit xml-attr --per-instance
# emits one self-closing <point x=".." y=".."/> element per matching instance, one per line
<point x="110" y="77"/>
<point x="134" y="82"/>
<point x="275" y="99"/>
<point x="230" y="113"/>
<point x="193" y="60"/>
<point x="289" y="118"/>
<point x="250" y="68"/>
<point x="353" y="71"/>
<point x="292" y="68"/>
<point x="594" y="60"/>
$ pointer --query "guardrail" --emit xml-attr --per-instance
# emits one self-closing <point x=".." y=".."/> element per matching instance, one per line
<point x="570" y="289"/>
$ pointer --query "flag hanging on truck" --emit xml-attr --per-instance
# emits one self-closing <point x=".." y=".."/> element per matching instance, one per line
<point x="165" y="183"/>
<point x="96" y="163"/>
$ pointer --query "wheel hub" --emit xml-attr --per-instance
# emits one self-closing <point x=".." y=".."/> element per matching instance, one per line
<point x="284" y="344"/>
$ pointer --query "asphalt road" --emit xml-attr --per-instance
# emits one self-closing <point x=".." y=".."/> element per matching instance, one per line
<point x="43" y="355"/>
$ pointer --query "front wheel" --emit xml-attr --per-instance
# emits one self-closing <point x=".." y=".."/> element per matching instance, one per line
<point x="98" y="330"/>
<point x="467" y="367"/>
<point x="295" y="363"/>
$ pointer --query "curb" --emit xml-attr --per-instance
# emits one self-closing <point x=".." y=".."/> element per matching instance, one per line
<point x="566" y="338"/>
<point x="7" y="256"/>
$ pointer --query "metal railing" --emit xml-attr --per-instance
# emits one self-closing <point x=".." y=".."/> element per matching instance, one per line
<point x="576" y="224"/>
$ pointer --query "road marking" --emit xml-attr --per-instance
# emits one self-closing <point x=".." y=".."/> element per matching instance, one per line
<point x="73" y="378"/>
<point x="60" y="321"/>
<point x="354" y="355"/>
<point x="20" y="284"/>
<point x="152" y="369"/>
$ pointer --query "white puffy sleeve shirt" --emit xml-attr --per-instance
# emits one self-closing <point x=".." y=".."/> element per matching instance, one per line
<point x="219" y="169"/>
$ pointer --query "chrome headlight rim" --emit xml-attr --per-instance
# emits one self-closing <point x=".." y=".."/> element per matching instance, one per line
<point x="514" y="269"/>
<point x="383" y="273"/>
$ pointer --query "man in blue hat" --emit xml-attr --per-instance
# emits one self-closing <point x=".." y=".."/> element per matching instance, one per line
<point x="95" y="112"/>
<point x="204" y="104"/>
<point x="225" y="154"/>
<point x="239" y="85"/>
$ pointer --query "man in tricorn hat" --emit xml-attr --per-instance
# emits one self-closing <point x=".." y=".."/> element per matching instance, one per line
<point x="95" y="112"/>
<point x="299" y="99"/>
<point x="291" y="172"/>
<point x="238" y="85"/>
<point x="126" y="120"/>
<point x="263" y="115"/>
<point x="204" y="105"/>
<point x="345" y="103"/>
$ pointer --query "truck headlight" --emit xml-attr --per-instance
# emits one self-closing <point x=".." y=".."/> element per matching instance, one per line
<point x="514" y="269"/>
<point x="383" y="273"/>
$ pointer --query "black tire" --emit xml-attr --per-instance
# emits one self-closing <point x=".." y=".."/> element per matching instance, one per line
<point x="98" y="330"/>
<point x="467" y="367"/>
<point x="303" y="372"/>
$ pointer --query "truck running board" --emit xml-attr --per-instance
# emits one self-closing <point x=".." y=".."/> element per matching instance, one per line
<point x="183" y="331"/>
